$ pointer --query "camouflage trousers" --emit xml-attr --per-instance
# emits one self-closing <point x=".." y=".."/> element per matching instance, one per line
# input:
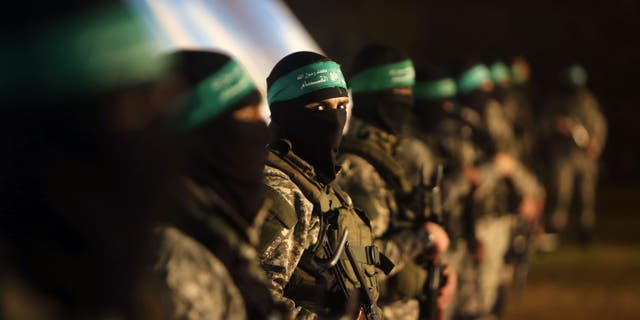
<point x="478" y="284"/>
<point x="465" y="301"/>
<point x="495" y="235"/>
<point x="574" y="171"/>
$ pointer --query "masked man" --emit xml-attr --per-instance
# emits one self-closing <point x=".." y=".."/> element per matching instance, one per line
<point x="206" y="257"/>
<point x="316" y="248"/>
<point x="380" y="180"/>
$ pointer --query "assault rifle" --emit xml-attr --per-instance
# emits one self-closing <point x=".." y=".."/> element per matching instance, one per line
<point x="429" y="301"/>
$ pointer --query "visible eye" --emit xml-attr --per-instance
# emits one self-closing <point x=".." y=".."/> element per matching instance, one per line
<point x="342" y="106"/>
<point x="319" y="107"/>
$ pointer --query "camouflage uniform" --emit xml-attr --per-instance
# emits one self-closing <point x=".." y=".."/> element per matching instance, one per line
<point x="296" y="232"/>
<point x="378" y="192"/>
<point x="199" y="285"/>
<point x="206" y="264"/>
<point x="518" y="111"/>
<point x="453" y="140"/>
<point x="569" y="157"/>
<point x="492" y="197"/>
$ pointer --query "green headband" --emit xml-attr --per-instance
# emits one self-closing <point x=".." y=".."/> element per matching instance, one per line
<point x="435" y="90"/>
<point x="473" y="78"/>
<point x="388" y="76"/>
<point x="215" y="94"/>
<point x="95" y="52"/>
<point x="310" y="78"/>
<point x="500" y="72"/>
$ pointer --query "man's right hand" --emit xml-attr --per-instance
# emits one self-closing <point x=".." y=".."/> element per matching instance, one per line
<point x="448" y="291"/>
<point x="439" y="240"/>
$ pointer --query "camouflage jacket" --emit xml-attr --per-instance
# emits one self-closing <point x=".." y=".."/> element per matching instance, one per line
<point x="518" y="110"/>
<point x="378" y="196"/>
<point x="207" y="264"/>
<point x="498" y="129"/>
<point x="197" y="284"/>
<point x="452" y="141"/>
<point x="281" y="256"/>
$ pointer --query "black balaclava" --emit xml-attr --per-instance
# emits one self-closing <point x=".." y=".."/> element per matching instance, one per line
<point x="383" y="109"/>
<point x="222" y="152"/>
<point x="476" y="99"/>
<point x="430" y="112"/>
<point x="315" y="135"/>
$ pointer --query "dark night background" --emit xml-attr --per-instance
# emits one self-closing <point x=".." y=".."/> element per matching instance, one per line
<point x="601" y="35"/>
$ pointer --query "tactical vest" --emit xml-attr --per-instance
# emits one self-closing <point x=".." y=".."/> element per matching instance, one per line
<point x="310" y="287"/>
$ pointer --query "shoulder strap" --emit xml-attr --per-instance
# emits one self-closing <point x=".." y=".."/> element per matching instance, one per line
<point x="389" y="168"/>
<point x="311" y="189"/>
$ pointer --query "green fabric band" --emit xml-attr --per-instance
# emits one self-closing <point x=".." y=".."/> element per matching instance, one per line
<point x="473" y="78"/>
<point x="215" y="94"/>
<point x="389" y="76"/>
<point x="95" y="52"/>
<point x="500" y="72"/>
<point x="435" y="90"/>
<point x="310" y="78"/>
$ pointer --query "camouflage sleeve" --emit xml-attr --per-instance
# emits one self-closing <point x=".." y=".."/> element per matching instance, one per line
<point x="455" y="139"/>
<point x="281" y="256"/>
<point x="490" y="176"/>
<point x="417" y="159"/>
<point x="194" y="283"/>
<point x="456" y="187"/>
<point x="526" y="182"/>
<point x="594" y="118"/>
<point x="499" y="127"/>
<point x="369" y="192"/>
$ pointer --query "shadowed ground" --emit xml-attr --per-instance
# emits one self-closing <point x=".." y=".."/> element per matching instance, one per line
<point x="598" y="282"/>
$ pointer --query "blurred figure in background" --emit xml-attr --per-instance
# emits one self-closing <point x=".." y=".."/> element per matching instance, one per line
<point x="576" y="132"/>
<point x="379" y="182"/>
<point x="317" y="249"/>
<point x="511" y="92"/>
<point x="86" y="163"/>
<point x="438" y="123"/>
<point x="519" y="109"/>
<point x="206" y="262"/>
<point x="493" y="133"/>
